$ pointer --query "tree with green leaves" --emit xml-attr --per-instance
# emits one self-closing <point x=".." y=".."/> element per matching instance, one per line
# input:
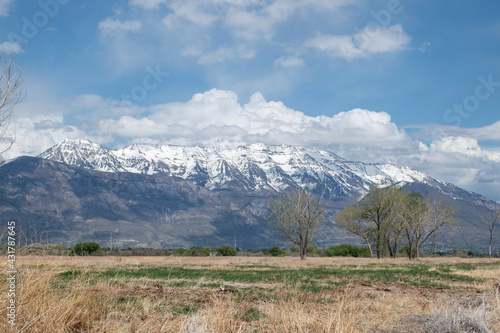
<point x="89" y="248"/>
<point x="275" y="251"/>
<point x="295" y="217"/>
<point x="351" y="220"/>
<point x="380" y="209"/>
<point x="226" y="251"/>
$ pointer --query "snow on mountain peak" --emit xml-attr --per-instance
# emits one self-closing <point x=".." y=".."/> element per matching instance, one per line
<point x="255" y="167"/>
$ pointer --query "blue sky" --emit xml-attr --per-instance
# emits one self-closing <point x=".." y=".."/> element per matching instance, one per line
<point x="409" y="82"/>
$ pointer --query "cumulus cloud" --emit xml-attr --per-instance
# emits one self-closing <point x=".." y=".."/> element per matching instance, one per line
<point x="110" y="26"/>
<point x="9" y="48"/>
<point x="36" y="134"/>
<point x="220" y="112"/>
<point x="453" y="144"/>
<point x="371" y="40"/>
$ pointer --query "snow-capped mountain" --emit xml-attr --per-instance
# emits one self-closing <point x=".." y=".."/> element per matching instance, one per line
<point x="256" y="167"/>
<point x="169" y="196"/>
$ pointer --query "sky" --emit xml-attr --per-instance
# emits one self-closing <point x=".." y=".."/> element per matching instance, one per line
<point x="410" y="82"/>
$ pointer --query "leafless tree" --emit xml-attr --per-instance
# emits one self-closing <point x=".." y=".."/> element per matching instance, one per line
<point x="490" y="217"/>
<point x="295" y="217"/>
<point x="11" y="94"/>
<point x="439" y="214"/>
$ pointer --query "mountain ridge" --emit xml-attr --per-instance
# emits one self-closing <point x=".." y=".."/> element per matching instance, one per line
<point x="255" y="166"/>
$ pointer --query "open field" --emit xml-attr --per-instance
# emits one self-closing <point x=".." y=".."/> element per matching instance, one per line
<point x="252" y="294"/>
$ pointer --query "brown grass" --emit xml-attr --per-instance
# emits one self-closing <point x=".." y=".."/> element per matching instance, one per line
<point x="141" y="305"/>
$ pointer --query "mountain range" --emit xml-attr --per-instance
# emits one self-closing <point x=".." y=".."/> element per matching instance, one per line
<point x="169" y="196"/>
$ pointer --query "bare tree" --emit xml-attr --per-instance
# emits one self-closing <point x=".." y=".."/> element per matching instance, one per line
<point x="490" y="217"/>
<point x="422" y="218"/>
<point x="414" y="219"/>
<point x="439" y="213"/>
<point x="295" y="217"/>
<point x="11" y="94"/>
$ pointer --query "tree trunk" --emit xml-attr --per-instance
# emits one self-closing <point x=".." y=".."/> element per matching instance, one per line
<point x="302" y="253"/>
<point x="432" y="245"/>
<point x="491" y="238"/>
<point x="369" y="247"/>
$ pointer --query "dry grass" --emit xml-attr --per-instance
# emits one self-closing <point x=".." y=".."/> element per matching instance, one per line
<point x="84" y="304"/>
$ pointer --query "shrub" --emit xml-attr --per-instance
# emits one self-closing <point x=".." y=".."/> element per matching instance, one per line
<point x="89" y="248"/>
<point x="347" y="250"/>
<point x="226" y="251"/>
<point x="275" y="251"/>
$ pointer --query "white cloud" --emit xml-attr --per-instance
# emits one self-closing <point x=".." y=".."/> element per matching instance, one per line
<point x="223" y="54"/>
<point x="289" y="62"/>
<point x="110" y="26"/>
<point x="36" y="134"/>
<point x="4" y="7"/>
<point x="9" y="48"/>
<point x="257" y="121"/>
<point x="371" y="40"/>
<point x="453" y="144"/>
<point x="192" y="12"/>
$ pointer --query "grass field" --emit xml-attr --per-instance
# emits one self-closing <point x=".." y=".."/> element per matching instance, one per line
<point x="252" y="294"/>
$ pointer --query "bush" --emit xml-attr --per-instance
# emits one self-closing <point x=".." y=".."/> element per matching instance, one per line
<point x="226" y="251"/>
<point x="275" y="251"/>
<point x="89" y="248"/>
<point x="347" y="250"/>
<point x="460" y="254"/>
<point x="200" y="252"/>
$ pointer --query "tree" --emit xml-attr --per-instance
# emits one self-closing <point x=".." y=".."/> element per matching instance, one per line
<point x="351" y="220"/>
<point x="380" y="208"/>
<point x="226" y="251"/>
<point x="413" y="218"/>
<point x="440" y="213"/>
<point x="88" y="248"/>
<point x="275" y="251"/>
<point x="295" y="217"/>
<point x="11" y="94"/>
<point x="490" y="217"/>
<point x="422" y="218"/>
